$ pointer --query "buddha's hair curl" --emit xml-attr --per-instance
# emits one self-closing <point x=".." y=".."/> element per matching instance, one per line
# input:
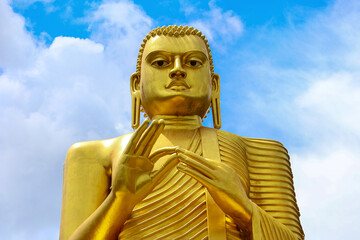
<point x="174" y="31"/>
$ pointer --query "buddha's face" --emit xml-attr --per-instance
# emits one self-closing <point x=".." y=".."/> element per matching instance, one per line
<point x="175" y="76"/>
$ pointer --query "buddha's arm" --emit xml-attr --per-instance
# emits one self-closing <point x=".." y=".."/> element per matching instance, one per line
<point x="275" y="211"/>
<point x="90" y="210"/>
<point x="86" y="184"/>
<point x="107" y="220"/>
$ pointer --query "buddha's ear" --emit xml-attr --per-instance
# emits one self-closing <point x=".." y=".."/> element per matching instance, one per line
<point x="135" y="100"/>
<point x="215" y="82"/>
<point x="134" y="82"/>
<point x="215" y="100"/>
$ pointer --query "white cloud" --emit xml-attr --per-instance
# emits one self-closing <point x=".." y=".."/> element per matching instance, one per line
<point x="335" y="101"/>
<point x="31" y="150"/>
<point x="326" y="185"/>
<point x="327" y="167"/>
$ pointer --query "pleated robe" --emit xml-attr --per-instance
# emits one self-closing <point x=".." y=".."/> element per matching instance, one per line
<point x="177" y="207"/>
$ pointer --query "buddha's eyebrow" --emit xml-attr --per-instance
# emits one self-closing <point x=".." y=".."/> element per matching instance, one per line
<point x="157" y="52"/>
<point x="202" y="54"/>
<point x="154" y="53"/>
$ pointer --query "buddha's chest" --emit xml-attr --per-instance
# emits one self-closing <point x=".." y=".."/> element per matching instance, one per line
<point x="188" y="139"/>
<point x="176" y="138"/>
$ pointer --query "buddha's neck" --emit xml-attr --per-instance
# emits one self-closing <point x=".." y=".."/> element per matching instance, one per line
<point x="180" y="122"/>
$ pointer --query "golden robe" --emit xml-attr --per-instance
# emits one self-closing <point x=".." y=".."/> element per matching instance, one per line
<point x="177" y="207"/>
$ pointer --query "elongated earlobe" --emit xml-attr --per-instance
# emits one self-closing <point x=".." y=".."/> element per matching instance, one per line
<point x="135" y="100"/>
<point x="215" y="101"/>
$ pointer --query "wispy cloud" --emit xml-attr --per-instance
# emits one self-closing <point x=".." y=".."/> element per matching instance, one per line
<point x="15" y="41"/>
<point x="22" y="4"/>
<point x="217" y="25"/>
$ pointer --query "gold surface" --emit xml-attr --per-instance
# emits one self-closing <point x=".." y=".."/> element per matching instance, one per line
<point x="173" y="178"/>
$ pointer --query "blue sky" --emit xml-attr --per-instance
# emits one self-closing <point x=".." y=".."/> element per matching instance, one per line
<point x="290" y="71"/>
<point x="61" y="18"/>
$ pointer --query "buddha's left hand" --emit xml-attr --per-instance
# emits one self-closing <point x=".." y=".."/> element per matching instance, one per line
<point x="222" y="183"/>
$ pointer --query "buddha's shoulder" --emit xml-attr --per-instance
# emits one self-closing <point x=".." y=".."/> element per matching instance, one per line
<point x="252" y="143"/>
<point x="97" y="151"/>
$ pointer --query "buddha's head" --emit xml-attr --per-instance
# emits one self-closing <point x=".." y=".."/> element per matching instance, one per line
<point x="175" y="75"/>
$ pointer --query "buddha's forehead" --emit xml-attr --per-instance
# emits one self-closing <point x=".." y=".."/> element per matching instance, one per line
<point x="176" y="45"/>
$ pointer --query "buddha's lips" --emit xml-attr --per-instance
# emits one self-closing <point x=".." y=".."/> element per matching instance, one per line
<point x="178" y="83"/>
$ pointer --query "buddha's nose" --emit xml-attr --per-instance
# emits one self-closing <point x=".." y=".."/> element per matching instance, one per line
<point x="178" y="70"/>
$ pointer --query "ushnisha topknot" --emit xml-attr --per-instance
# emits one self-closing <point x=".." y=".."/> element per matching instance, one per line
<point x="173" y="31"/>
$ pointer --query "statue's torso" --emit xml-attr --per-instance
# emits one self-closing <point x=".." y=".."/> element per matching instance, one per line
<point x="262" y="165"/>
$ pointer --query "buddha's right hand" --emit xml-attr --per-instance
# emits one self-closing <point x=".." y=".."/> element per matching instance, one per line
<point x="133" y="177"/>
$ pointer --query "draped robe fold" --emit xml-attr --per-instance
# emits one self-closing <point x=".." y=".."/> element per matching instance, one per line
<point x="177" y="207"/>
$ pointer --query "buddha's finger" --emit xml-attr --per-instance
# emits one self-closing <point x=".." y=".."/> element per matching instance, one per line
<point x="157" y="175"/>
<point x="145" y="137"/>
<point x="131" y="146"/>
<point x="161" y="153"/>
<point x="152" y="138"/>
<point x="204" y="180"/>
<point x="197" y="157"/>
<point x="198" y="166"/>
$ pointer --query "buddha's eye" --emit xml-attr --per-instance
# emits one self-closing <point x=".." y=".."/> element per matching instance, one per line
<point x="193" y="63"/>
<point x="159" y="63"/>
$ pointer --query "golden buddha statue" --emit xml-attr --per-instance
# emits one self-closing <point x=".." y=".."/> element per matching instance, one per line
<point x="173" y="178"/>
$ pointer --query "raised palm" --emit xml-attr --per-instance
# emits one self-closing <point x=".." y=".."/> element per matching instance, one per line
<point x="133" y="176"/>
